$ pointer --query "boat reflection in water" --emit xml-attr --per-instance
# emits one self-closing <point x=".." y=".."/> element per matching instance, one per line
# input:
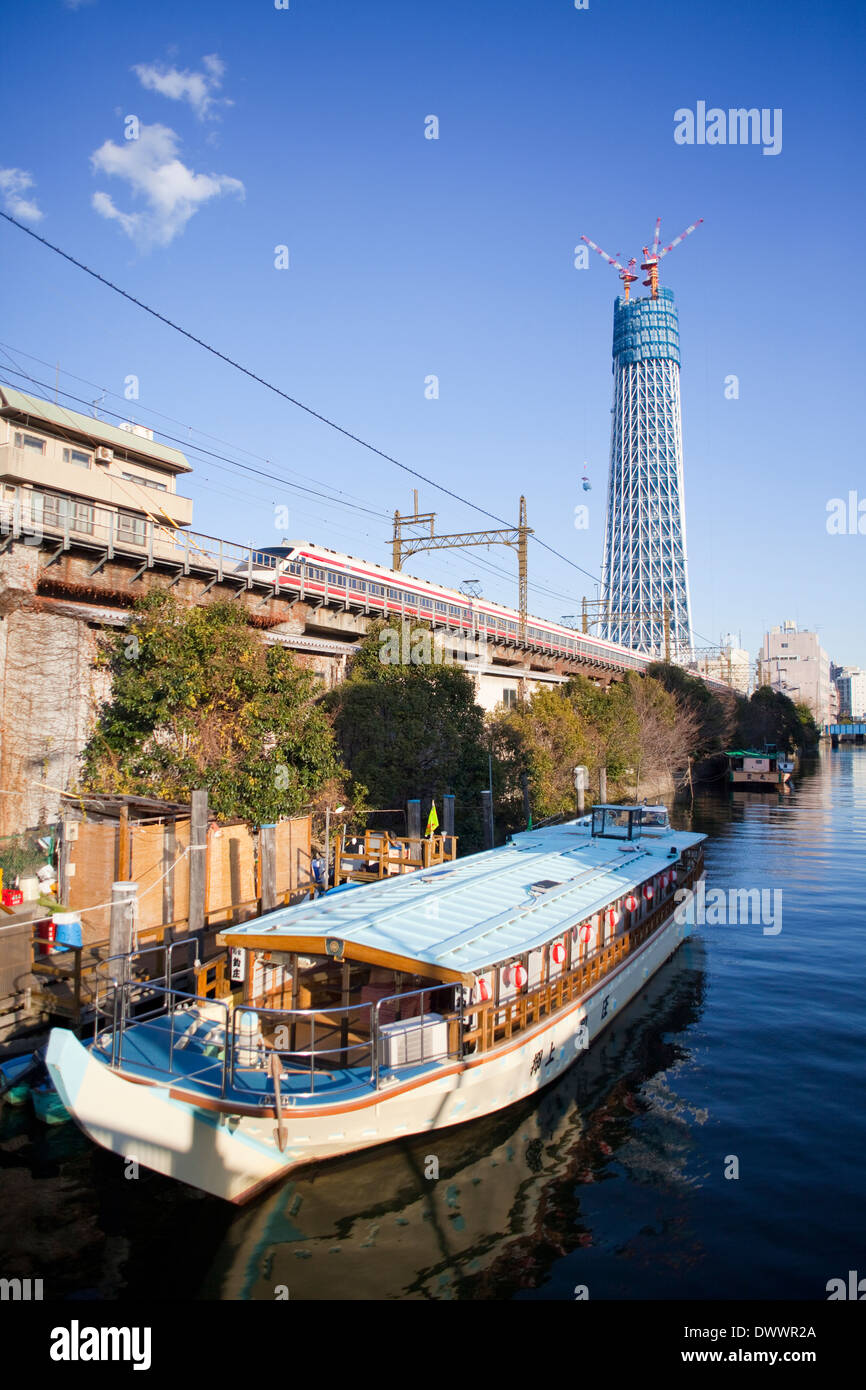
<point x="507" y="1201"/>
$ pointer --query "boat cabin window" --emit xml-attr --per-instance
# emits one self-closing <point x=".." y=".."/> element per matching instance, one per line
<point x="655" y="817"/>
<point x="617" y="822"/>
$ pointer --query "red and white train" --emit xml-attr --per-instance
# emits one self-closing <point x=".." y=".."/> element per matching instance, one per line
<point x="329" y="576"/>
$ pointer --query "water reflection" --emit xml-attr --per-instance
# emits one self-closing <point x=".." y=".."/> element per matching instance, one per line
<point x="509" y="1199"/>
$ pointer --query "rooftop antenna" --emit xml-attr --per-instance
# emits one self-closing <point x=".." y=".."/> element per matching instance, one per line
<point x="652" y="257"/>
<point x="627" y="273"/>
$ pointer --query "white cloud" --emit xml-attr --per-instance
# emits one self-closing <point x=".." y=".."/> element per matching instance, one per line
<point x="197" y="88"/>
<point x="172" y="193"/>
<point x="14" y="182"/>
<point x="77" y="4"/>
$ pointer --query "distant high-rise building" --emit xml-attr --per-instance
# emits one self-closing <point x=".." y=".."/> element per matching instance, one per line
<point x="645" y="569"/>
<point x="796" y="664"/>
<point x="851" y="684"/>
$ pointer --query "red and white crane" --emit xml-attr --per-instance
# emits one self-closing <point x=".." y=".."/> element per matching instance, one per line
<point x="652" y="258"/>
<point x="627" y="273"/>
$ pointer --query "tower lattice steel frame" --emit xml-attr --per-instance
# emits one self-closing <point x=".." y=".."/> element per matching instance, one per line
<point x="645" y="569"/>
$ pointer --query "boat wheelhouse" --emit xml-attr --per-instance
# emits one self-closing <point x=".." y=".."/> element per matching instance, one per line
<point x="409" y="1005"/>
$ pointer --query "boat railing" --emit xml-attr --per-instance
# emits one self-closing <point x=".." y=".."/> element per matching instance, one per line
<point x="492" y="1022"/>
<point x="166" y="1000"/>
<point x="305" y="1040"/>
<point x="123" y="962"/>
<point x="415" y="1035"/>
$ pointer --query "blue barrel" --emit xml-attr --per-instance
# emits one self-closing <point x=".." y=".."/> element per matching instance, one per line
<point x="67" y="930"/>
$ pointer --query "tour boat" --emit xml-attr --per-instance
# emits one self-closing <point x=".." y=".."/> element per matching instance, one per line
<point x="413" y="1004"/>
<point x="749" y="767"/>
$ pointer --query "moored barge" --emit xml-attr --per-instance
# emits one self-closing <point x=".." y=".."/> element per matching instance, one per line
<point x="404" y="1007"/>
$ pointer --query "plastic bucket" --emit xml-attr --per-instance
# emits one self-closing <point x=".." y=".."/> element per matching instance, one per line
<point x="45" y="930"/>
<point x="67" y="930"/>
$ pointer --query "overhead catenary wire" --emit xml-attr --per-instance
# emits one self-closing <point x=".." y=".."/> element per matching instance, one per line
<point x="278" y="391"/>
<point x="292" y="400"/>
<point x="223" y="461"/>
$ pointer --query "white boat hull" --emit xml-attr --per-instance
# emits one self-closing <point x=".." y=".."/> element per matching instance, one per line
<point x="235" y="1156"/>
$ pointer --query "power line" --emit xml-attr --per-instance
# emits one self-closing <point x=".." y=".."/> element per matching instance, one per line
<point x="211" y="457"/>
<point x="192" y="429"/>
<point x="292" y="400"/>
<point x="253" y="376"/>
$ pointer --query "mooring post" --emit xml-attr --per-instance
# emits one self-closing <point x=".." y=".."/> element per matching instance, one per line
<point x="268" y="861"/>
<point x="121" y="930"/>
<point x="413" y="827"/>
<point x="448" y="824"/>
<point x="527" y="808"/>
<point x="602" y="784"/>
<point x="197" y="862"/>
<point x="487" y="818"/>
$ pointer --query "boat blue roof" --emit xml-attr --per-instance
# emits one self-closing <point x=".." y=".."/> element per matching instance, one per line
<point x="469" y="914"/>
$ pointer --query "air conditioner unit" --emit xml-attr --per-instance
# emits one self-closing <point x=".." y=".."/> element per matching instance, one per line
<point x="104" y="455"/>
<point x="423" y="1039"/>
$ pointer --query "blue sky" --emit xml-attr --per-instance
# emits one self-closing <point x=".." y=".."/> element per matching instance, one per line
<point x="453" y="257"/>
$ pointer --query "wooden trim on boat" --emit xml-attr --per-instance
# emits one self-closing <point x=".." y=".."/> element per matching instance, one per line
<point x="336" y="948"/>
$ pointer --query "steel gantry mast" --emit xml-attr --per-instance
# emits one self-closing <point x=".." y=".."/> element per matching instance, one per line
<point x="404" y="545"/>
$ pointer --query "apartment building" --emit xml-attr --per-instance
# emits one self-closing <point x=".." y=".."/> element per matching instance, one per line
<point x="796" y="664"/>
<point x="62" y="471"/>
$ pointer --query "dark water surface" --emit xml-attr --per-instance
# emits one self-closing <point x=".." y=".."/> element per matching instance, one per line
<point x="747" y="1046"/>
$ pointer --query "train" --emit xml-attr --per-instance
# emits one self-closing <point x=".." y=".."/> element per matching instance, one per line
<point x="316" y="571"/>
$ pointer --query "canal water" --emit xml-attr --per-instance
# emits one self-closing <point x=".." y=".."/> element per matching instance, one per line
<point x="711" y="1145"/>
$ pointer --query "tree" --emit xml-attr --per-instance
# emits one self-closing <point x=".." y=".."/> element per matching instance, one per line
<point x="408" y="726"/>
<point x="771" y="717"/>
<point x="200" y="700"/>
<point x="715" y="711"/>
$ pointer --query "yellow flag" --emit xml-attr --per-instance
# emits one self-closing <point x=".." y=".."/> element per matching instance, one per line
<point x="432" y="820"/>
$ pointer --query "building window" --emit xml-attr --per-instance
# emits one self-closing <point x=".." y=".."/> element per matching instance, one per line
<point x="76" y="456"/>
<point x="143" y="482"/>
<point x="130" y="527"/>
<point x="509" y="698"/>
<point x="30" y="441"/>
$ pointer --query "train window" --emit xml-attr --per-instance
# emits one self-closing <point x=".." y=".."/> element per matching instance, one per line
<point x="395" y="593"/>
<point x="293" y="567"/>
<point x="441" y="607"/>
<point x="377" y="589"/>
<point x="454" y="610"/>
<point x="425" y="602"/>
<point x="334" y="578"/>
<point x="358" y="584"/>
<point x="512" y="627"/>
<point x="411" y="598"/>
<point x="315" y="573"/>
